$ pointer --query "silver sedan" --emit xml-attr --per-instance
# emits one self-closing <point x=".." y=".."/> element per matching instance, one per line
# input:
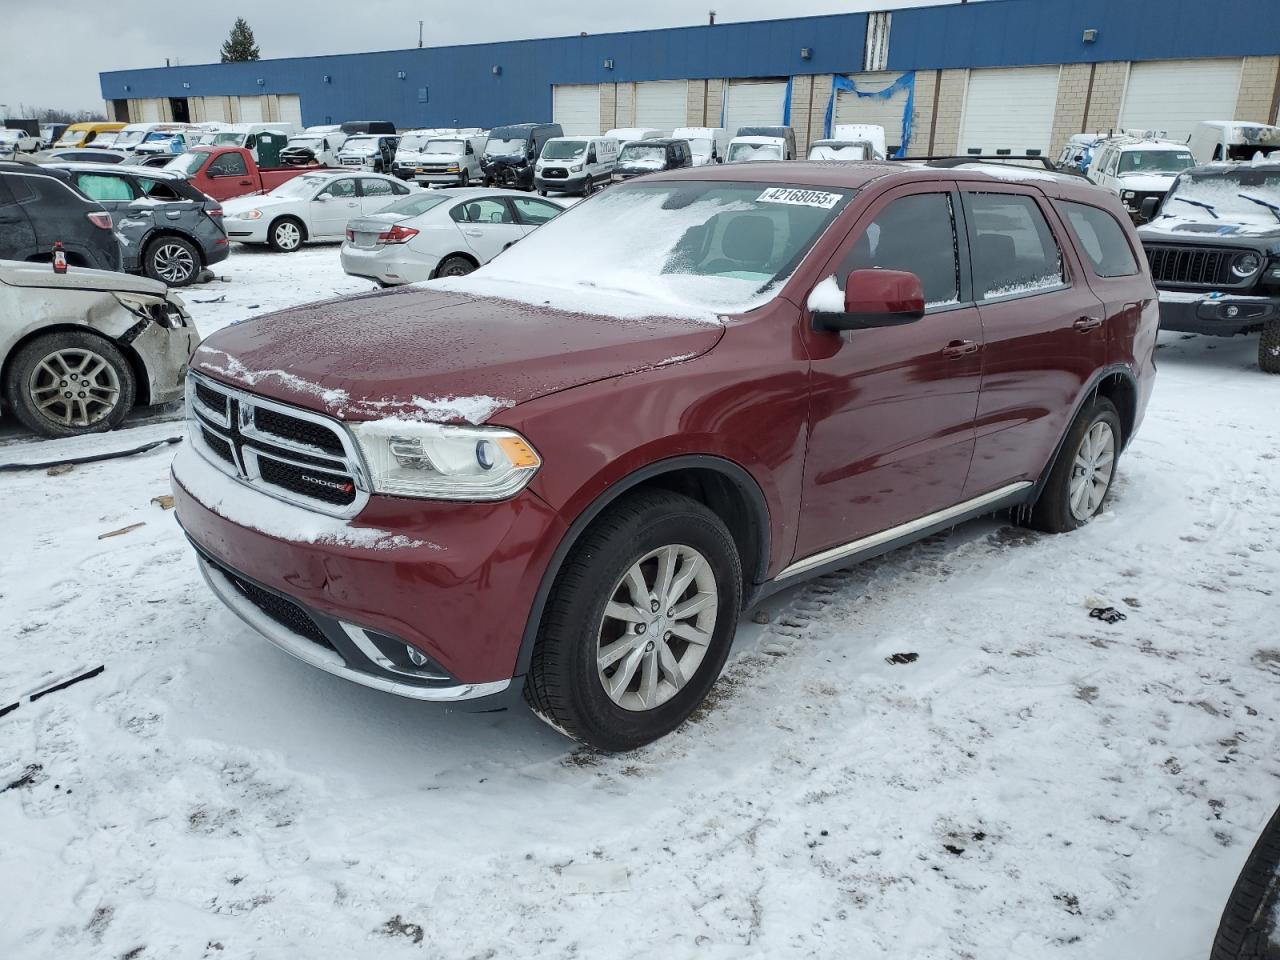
<point x="441" y="233"/>
<point x="80" y="349"/>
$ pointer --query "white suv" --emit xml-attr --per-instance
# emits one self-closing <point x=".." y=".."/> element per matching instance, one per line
<point x="1136" y="169"/>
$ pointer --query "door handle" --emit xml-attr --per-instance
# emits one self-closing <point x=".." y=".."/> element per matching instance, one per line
<point x="474" y="233"/>
<point x="1085" y="324"/>
<point x="959" y="348"/>
<point x="246" y="183"/>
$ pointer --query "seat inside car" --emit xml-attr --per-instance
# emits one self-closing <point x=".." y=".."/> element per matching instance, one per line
<point x="746" y="244"/>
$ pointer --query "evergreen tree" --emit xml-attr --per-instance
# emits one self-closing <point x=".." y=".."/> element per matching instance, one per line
<point x="240" y="45"/>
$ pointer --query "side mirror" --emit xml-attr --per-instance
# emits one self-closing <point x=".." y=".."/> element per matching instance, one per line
<point x="875" y="298"/>
<point x="1149" y="207"/>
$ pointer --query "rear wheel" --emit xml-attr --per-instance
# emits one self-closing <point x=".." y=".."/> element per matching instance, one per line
<point x="172" y="260"/>
<point x="285" y="235"/>
<point x="1082" y="475"/>
<point x="1269" y="348"/>
<point x="70" y="383"/>
<point x="1245" y="930"/>
<point x="639" y="623"/>
<point x="454" y="267"/>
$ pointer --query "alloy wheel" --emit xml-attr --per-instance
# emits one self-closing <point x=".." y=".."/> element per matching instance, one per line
<point x="74" y="388"/>
<point x="1092" y="470"/>
<point x="173" y="263"/>
<point x="288" y="236"/>
<point x="656" y="628"/>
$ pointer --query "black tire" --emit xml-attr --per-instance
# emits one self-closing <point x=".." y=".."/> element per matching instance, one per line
<point x="589" y="187"/>
<point x="1247" y="925"/>
<point x="281" y="239"/>
<point x="1269" y="348"/>
<point x="564" y="685"/>
<point x="174" y="261"/>
<point x="26" y="385"/>
<point x="488" y="182"/>
<point x="454" y="266"/>
<point x="1052" y="512"/>
<point x="465" y="179"/>
<point x="542" y="193"/>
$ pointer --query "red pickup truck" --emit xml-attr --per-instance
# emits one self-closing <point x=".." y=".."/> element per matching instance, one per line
<point x="226" y="172"/>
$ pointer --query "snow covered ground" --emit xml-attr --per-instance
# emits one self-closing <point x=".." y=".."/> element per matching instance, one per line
<point x="1035" y="784"/>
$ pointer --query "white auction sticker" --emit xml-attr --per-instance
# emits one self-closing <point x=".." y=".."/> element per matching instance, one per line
<point x="800" y="197"/>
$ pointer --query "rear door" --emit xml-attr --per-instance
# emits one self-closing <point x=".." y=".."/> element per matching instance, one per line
<point x="17" y="236"/>
<point x="488" y="226"/>
<point x="375" y="195"/>
<point x="1044" y="331"/>
<point x="532" y="213"/>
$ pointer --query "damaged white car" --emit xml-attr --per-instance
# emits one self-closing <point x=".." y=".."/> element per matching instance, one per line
<point x="80" y="349"/>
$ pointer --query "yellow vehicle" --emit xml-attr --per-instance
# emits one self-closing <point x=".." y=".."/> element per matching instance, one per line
<point x="83" y="134"/>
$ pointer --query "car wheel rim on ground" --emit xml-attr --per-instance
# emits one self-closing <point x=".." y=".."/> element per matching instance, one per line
<point x="288" y="236"/>
<point x="74" y="388"/>
<point x="173" y="263"/>
<point x="657" y="627"/>
<point x="1092" y="470"/>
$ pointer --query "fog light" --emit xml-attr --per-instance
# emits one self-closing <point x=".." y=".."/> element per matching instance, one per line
<point x="1233" y="311"/>
<point x="416" y="656"/>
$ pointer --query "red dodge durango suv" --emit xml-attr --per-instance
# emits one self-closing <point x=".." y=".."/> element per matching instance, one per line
<point x="566" y="474"/>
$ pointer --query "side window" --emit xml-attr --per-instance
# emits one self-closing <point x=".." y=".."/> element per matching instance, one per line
<point x="1101" y="238"/>
<point x="534" y="212"/>
<point x="916" y="234"/>
<point x="375" y="188"/>
<point x="100" y="187"/>
<point x="399" y="189"/>
<point x="157" y="190"/>
<point x="228" y="165"/>
<point x="1113" y="160"/>
<point x="24" y="189"/>
<point x="1014" y="251"/>
<point x="250" y="142"/>
<point x="591" y="154"/>
<point x="340" y="189"/>
<point x="482" y="211"/>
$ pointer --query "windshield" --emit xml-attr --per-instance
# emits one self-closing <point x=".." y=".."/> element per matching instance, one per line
<point x="1192" y="196"/>
<point x="700" y="147"/>
<point x="1155" y="161"/>
<point x="308" y="143"/>
<point x="504" y="148"/>
<point x="360" y="145"/>
<point x="70" y="138"/>
<point x="683" y="248"/>
<point x="837" y="151"/>
<point x="232" y="139"/>
<point x="638" y="155"/>
<point x="755" y="151"/>
<point x="452" y="147"/>
<point x="563" y="149"/>
<point x="186" y="163"/>
<point x="159" y="136"/>
<point x="413" y="142"/>
<point x="299" y="187"/>
<point x="127" y="137"/>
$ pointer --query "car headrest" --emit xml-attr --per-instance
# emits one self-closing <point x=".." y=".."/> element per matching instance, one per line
<point x="996" y="248"/>
<point x="748" y="239"/>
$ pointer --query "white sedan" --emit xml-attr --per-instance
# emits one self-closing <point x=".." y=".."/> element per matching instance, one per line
<point x="314" y="206"/>
<point x="441" y="233"/>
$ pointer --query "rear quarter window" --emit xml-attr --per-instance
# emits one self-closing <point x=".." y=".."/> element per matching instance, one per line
<point x="1101" y="239"/>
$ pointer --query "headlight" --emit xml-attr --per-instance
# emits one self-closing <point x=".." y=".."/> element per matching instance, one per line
<point x="1246" y="265"/>
<point x="409" y="458"/>
<point x="1128" y="195"/>
<point x="576" y="168"/>
<point x="452" y="168"/>
<point x="153" y="308"/>
<point x="247" y="215"/>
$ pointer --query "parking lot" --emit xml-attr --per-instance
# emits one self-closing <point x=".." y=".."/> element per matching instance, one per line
<point x="1032" y="782"/>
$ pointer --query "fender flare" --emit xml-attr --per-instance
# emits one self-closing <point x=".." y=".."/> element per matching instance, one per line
<point x="733" y="472"/>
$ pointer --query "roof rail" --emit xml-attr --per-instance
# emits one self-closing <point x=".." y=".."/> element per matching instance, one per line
<point x="957" y="160"/>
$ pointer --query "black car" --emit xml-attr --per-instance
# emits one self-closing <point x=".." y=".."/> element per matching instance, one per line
<point x="1214" y="250"/>
<point x="649" y="156"/>
<point x="170" y="230"/>
<point x="40" y="206"/>
<point x="510" y="153"/>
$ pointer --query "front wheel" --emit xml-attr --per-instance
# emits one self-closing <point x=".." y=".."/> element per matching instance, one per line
<point x="285" y="235"/>
<point x="172" y="260"/>
<point x="639" y="623"/>
<point x="465" y="179"/>
<point x="70" y="383"/>
<point x="1269" y="348"/>
<point x="589" y="187"/>
<point x="1083" y="473"/>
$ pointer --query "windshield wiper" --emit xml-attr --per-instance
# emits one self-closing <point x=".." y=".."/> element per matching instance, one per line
<point x="1200" y="203"/>
<point x="1274" y="208"/>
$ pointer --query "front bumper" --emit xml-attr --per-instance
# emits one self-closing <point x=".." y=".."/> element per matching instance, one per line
<point x="573" y="183"/>
<point x="440" y="179"/>
<point x="1216" y="315"/>
<point x="393" y="264"/>
<point x="246" y="231"/>
<point x="453" y="580"/>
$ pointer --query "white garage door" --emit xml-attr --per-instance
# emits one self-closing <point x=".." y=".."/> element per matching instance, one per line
<point x="1174" y="95"/>
<point x="249" y="110"/>
<point x="214" y="108"/>
<point x="576" y="107"/>
<point x="1010" y="110"/>
<point x="290" y="108"/>
<point x="662" y="105"/>
<point x="751" y="103"/>
<point x="885" y="112"/>
<point x="149" y="111"/>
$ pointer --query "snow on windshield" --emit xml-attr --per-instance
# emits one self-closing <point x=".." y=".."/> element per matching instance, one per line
<point x="754" y="151"/>
<point x="413" y="144"/>
<point x="299" y="187"/>
<point x="504" y="148"/>
<point x="1222" y="193"/>
<point x="1155" y="161"/>
<point x="649" y="157"/>
<point x="563" y="149"/>
<point x="453" y="148"/>
<point x="307" y="143"/>
<point x="838" y="151"/>
<point x="683" y="249"/>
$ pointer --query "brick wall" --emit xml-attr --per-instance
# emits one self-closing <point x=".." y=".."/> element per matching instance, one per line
<point x="922" y="113"/>
<point x="946" y="133"/>
<point x="1109" y="82"/>
<point x="1256" y="101"/>
<point x="626" y="93"/>
<point x="1068" y="113"/>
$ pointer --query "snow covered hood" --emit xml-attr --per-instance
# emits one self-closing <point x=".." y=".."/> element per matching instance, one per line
<point x="437" y="355"/>
<point x="1147" y="182"/>
<point x="1185" y="228"/>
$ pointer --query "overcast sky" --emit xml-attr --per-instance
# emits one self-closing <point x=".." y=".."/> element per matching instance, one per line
<point x="56" y="50"/>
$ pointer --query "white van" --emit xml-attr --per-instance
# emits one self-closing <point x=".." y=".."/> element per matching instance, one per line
<point x="449" y="160"/>
<point x="575" y="164"/>
<point x="625" y="135"/>
<point x="409" y="151"/>
<point x="709" y="144"/>
<point x="244" y="134"/>
<point x="1136" y="169"/>
<point x="1232" y="140"/>
<point x="315" y="145"/>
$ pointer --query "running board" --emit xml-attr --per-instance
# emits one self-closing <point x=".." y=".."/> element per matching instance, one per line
<point x="970" y="508"/>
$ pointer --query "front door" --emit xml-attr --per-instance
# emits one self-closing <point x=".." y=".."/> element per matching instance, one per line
<point x="487" y="226"/>
<point x="892" y="408"/>
<point x="1045" y="332"/>
<point x="333" y="207"/>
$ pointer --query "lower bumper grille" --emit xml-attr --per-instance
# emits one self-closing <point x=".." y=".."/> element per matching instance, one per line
<point x="284" y="612"/>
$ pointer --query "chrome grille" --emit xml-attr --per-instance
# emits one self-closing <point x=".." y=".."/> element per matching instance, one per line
<point x="1193" y="266"/>
<point x="286" y="452"/>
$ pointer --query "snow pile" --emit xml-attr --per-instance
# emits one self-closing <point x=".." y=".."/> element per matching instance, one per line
<point x="474" y="410"/>
<point x="256" y="510"/>
<point x="827" y="297"/>
<point x="234" y="370"/>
